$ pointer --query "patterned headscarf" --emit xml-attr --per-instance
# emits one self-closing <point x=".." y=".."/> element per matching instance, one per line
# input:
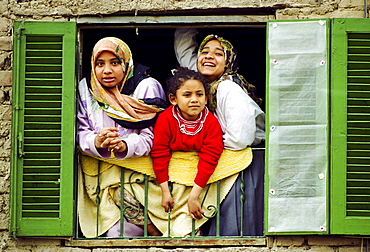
<point x="230" y="72"/>
<point x="125" y="110"/>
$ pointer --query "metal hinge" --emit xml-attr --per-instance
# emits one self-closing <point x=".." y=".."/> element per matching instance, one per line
<point x="20" y="145"/>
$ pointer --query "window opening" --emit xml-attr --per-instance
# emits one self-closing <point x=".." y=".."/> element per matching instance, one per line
<point x="153" y="47"/>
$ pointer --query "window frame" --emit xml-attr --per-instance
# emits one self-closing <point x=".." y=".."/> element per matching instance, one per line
<point x="164" y="22"/>
<point x="140" y="22"/>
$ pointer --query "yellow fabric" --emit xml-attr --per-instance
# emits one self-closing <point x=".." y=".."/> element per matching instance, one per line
<point x="180" y="220"/>
<point x="109" y="212"/>
<point x="110" y="176"/>
<point x="181" y="167"/>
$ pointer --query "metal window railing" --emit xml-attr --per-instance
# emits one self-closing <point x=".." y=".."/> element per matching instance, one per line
<point x="142" y="208"/>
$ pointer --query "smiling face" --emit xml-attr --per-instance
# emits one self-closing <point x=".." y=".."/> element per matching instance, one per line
<point x="190" y="98"/>
<point x="211" y="60"/>
<point x="108" y="69"/>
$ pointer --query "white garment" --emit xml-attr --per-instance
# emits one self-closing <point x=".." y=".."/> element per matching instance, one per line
<point x="241" y="119"/>
<point x="186" y="47"/>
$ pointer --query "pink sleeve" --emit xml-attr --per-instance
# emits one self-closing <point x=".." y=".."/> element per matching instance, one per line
<point x="149" y="88"/>
<point x="85" y="132"/>
<point x="138" y="144"/>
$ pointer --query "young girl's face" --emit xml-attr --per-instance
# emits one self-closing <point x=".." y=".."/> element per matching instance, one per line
<point x="190" y="98"/>
<point x="211" y="60"/>
<point x="108" y="69"/>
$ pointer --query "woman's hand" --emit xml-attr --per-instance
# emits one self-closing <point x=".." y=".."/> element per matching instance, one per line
<point x="105" y="136"/>
<point x="108" y="138"/>
<point x="195" y="210"/>
<point x="117" y="144"/>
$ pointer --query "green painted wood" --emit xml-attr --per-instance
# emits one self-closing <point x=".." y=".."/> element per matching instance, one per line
<point x="43" y="129"/>
<point x="350" y="127"/>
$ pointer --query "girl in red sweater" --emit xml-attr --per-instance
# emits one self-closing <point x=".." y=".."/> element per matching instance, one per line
<point x="186" y="125"/>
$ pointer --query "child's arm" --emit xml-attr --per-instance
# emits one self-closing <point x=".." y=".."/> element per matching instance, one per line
<point x="161" y="151"/>
<point x="210" y="151"/>
<point x="208" y="158"/>
<point x="161" y="155"/>
<point x="194" y="207"/>
<point x="167" y="200"/>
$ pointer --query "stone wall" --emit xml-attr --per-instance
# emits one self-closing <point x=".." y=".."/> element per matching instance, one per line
<point x="274" y="244"/>
<point x="5" y="120"/>
<point x="11" y="10"/>
<point x="285" y="9"/>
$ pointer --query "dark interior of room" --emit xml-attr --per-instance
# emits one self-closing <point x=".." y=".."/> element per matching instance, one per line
<point x="153" y="47"/>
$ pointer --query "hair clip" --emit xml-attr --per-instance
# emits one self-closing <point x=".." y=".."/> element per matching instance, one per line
<point x="173" y="71"/>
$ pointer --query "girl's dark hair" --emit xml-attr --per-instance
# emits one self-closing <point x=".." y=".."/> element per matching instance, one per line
<point x="182" y="74"/>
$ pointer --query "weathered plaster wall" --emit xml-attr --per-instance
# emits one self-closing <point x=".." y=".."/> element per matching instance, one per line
<point x="40" y="9"/>
<point x="5" y="120"/>
<point x="11" y="10"/>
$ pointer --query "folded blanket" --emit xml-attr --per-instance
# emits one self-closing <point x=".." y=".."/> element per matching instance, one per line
<point x="95" y="219"/>
<point x="182" y="166"/>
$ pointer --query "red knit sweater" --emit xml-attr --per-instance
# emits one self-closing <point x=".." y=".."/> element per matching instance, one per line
<point x="167" y="138"/>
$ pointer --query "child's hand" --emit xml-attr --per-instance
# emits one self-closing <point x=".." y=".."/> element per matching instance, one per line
<point x="195" y="210"/>
<point x="167" y="202"/>
<point x="194" y="207"/>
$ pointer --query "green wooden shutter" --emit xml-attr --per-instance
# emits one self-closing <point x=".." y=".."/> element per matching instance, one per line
<point x="43" y="129"/>
<point x="297" y="127"/>
<point x="350" y="141"/>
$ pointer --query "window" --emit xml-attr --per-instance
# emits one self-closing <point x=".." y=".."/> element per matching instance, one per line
<point x="318" y="122"/>
<point x="43" y="129"/>
<point x="350" y="152"/>
<point x="297" y="126"/>
<point x="148" y="48"/>
<point x="153" y="46"/>
<point x="42" y="197"/>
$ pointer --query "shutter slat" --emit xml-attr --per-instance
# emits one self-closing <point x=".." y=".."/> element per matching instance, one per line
<point x="358" y="147"/>
<point x="37" y="47"/>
